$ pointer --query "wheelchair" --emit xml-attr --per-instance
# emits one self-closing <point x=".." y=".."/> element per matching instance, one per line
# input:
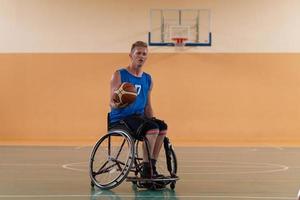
<point x="118" y="154"/>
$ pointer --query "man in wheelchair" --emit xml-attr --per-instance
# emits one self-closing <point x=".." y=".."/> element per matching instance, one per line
<point x="131" y="123"/>
<point x="138" y="116"/>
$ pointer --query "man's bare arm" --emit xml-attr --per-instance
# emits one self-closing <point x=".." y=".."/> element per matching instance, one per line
<point x="114" y="85"/>
<point x="148" y="109"/>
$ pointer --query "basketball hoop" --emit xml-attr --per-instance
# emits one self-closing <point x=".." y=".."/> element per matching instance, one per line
<point x="179" y="41"/>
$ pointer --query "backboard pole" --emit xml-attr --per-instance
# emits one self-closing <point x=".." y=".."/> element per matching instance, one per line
<point x="162" y="32"/>
<point x="179" y="20"/>
<point x="197" y="26"/>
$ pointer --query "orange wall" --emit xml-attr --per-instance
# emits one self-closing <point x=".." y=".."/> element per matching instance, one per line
<point x="207" y="99"/>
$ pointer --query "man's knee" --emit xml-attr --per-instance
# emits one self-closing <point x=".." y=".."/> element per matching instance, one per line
<point x="162" y="125"/>
<point x="151" y="128"/>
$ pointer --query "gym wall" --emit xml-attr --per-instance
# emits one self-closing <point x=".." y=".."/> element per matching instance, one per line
<point x="57" y="58"/>
<point x="108" y="26"/>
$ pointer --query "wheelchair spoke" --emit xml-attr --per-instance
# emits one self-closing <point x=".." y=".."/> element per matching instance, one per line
<point x="109" y="145"/>
<point x="106" y="169"/>
<point x="119" y="166"/>
<point x="101" y="168"/>
<point x="117" y="161"/>
<point x="120" y="148"/>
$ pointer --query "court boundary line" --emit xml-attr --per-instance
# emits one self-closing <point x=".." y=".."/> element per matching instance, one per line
<point x="280" y="167"/>
<point x="155" y="196"/>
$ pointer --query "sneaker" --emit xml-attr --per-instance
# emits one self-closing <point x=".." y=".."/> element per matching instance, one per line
<point x="146" y="170"/>
<point x="155" y="173"/>
<point x="146" y="174"/>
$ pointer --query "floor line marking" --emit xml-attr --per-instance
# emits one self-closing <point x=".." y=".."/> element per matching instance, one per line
<point x="281" y="168"/>
<point x="80" y="147"/>
<point x="137" y="196"/>
<point x="28" y="164"/>
<point x="67" y="166"/>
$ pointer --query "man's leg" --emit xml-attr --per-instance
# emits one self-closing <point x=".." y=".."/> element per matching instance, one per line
<point x="160" y="138"/>
<point x="151" y="132"/>
<point x="151" y="136"/>
<point x="158" y="144"/>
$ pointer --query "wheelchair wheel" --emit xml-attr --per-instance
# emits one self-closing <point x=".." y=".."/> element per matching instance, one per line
<point x="111" y="159"/>
<point x="170" y="157"/>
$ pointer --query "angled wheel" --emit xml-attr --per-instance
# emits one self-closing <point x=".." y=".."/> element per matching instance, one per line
<point x="171" y="160"/>
<point x="111" y="159"/>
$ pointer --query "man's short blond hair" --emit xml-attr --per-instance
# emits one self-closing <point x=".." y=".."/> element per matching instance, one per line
<point x="138" y="44"/>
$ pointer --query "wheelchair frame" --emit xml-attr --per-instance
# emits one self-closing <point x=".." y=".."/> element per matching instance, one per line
<point x="133" y="163"/>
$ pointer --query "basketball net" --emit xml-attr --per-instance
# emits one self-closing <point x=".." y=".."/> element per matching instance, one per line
<point x="179" y="42"/>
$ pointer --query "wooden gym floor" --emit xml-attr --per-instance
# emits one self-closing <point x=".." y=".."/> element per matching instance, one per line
<point x="206" y="173"/>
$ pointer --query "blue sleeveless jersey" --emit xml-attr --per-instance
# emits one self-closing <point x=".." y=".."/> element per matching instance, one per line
<point x="142" y="85"/>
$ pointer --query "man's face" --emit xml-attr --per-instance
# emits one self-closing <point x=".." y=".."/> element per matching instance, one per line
<point x="139" y="56"/>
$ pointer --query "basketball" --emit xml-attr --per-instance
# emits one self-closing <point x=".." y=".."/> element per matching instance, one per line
<point x="125" y="94"/>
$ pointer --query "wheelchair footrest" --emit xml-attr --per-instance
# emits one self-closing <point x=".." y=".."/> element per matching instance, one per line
<point x="166" y="178"/>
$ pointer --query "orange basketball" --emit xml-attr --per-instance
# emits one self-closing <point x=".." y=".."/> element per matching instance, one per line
<point x="125" y="95"/>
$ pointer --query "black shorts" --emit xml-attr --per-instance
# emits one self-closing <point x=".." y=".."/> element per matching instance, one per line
<point x="139" y="125"/>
